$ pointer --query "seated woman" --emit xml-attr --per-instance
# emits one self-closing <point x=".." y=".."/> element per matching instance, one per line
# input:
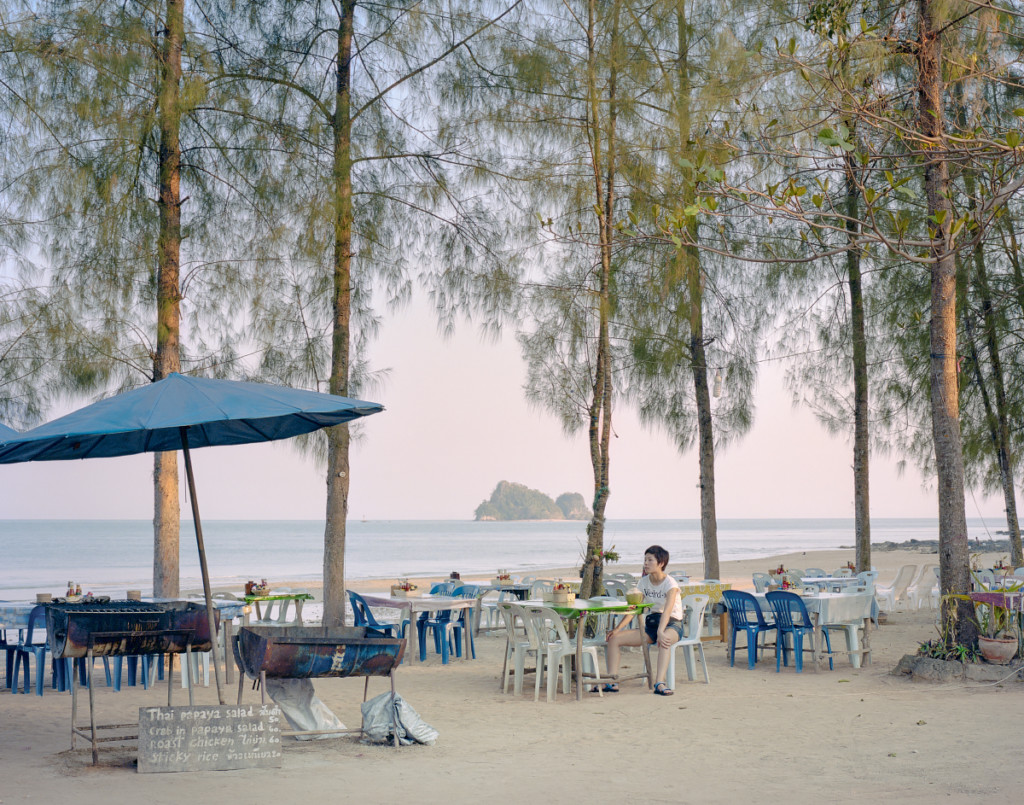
<point x="663" y="625"/>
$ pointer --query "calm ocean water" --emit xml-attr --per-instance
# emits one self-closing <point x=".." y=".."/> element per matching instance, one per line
<point x="108" y="556"/>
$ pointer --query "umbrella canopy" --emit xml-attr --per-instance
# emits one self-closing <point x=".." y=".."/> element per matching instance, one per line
<point x="178" y="413"/>
<point x="214" y="412"/>
<point x="7" y="433"/>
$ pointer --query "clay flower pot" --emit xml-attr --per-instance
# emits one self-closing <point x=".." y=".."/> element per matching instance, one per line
<point x="997" y="650"/>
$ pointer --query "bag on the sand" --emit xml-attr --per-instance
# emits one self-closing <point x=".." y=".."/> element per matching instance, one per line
<point x="379" y="716"/>
<point x="302" y="708"/>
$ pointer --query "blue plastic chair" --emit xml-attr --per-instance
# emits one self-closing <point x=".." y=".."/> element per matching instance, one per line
<point x="442" y="625"/>
<point x="9" y="648"/>
<point x="364" y="617"/>
<point x="791" y="618"/>
<point x="32" y="645"/>
<point x="745" y="614"/>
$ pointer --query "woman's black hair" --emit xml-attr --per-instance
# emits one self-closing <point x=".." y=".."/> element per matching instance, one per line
<point x="660" y="555"/>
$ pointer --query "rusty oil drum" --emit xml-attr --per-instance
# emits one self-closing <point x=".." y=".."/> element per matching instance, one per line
<point x="303" y="652"/>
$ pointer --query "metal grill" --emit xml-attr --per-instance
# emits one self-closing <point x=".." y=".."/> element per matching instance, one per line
<point x="118" y="628"/>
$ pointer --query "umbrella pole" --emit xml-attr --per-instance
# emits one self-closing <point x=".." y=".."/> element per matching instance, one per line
<point x="202" y="562"/>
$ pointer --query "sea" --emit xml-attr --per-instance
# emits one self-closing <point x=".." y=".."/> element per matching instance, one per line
<point x="110" y="556"/>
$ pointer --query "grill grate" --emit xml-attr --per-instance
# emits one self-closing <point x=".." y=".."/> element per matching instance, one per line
<point x="119" y="607"/>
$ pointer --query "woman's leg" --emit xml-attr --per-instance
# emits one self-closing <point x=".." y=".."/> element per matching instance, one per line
<point x="627" y="637"/>
<point x="664" y="653"/>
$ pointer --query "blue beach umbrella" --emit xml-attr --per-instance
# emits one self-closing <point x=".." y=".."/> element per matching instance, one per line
<point x="7" y="433"/>
<point x="179" y="413"/>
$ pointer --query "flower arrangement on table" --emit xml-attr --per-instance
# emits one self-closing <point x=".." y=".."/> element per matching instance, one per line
<point x="851" y="566"/>
<point x="1001" y="565"/>
<point x="562" y="593"/>
<point x="403" y="588"/>
<point x="779" y="571"/>
<point x="252" y="588"/>
<point x="503" y="576"/>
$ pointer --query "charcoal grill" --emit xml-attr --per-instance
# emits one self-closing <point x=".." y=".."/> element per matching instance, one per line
<point x="118" y="629"/>
<point x="305" y="652"/>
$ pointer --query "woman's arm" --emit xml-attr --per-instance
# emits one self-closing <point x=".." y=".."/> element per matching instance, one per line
<point x="666" y="613"/>
<point x="621" y="625"/>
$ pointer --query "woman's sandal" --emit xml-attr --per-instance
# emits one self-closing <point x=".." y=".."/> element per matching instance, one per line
<point x="661" y="689"/>
<point x="611" y="687"/>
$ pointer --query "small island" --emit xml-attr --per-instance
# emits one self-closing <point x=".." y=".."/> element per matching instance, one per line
<point x="511" y="501"/>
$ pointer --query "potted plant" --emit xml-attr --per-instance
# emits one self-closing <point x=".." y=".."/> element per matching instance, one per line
<point x="999" y="642"/>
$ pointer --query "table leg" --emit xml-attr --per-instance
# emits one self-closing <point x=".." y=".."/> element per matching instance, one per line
<point x="413" y="632"/>
<point x="228" y="659"/>
<point x="581" y="625"/>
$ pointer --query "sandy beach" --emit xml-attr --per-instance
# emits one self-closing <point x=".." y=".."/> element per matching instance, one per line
<point x="848" y="735"/>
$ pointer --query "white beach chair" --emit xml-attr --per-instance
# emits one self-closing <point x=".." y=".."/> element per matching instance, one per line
<point x="892" y="593"/>
<point x="919" y="593"/>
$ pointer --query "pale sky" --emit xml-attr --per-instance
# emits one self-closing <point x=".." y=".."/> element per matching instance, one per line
<point x="456" y="422"/>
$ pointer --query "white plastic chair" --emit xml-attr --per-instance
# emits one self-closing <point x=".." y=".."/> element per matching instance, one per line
<point x="816" y="572"/>
<point x="896" y="591"/>
<point x="842" y="573"/>
<point x="680" y="576"/>
<point x="868" y="579"/>
<point x="556" y="651"/>
<point x="519" y="646"/>
<point x="694" y="607"/>
<point x="920" y="592"/>
<point x="761" y="581"/>
<point x="614" y="587"/>
<point x="1019" y="572"/>
<point x="541" y="586"/>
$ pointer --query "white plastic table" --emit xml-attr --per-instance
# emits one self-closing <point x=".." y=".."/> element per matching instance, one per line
<point x="835" y="609"/>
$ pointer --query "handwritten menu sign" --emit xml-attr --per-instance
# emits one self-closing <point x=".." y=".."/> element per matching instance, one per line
<point x="213" y="738"/>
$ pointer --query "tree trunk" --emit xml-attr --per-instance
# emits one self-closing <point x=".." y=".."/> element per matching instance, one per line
<point x="338" y="436"/>
<point x="861" y="435"/>
<point x="708" y="518"/>
<point x="602" y="145"/>
<point x="957" y="614"/>
<point x="167" y="515"/>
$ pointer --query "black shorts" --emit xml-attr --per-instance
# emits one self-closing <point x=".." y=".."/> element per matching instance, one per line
<point x="651" y="626"/>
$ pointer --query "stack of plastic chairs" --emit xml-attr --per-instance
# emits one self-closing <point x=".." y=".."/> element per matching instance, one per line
<point x="519" y="647"/>
<point x="890" y="594"/>
<point x="919" y="593"/>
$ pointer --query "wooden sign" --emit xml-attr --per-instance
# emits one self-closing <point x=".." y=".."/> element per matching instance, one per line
<point x="213" y="738"/>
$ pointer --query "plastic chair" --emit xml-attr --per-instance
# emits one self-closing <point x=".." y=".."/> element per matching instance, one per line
<point x="541" y="586"/>
<point x="556" y="651"/>
<point x="842" y="573"/>
<point x="680" y="576"/>
<point x="761" y="582"/>
<point x="694" y="607"/>
<point x="447" y="630"/>
<point x="791" y="619"/>
<point x="745" y="614"/>
<point x="614" y="587"/>
<point x="9" y="647"/>
<point x="920" y="592"/>
<point x="1019" y="572"/>
<point x="894" y="592"/>
<point x="983" y="579"/>
<point x="362" y="616"/>
<point x="519" y="645"/>
<point x="32" y="645"/>
<point x="868" y="579"/>
<point x="816" y="572"/>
